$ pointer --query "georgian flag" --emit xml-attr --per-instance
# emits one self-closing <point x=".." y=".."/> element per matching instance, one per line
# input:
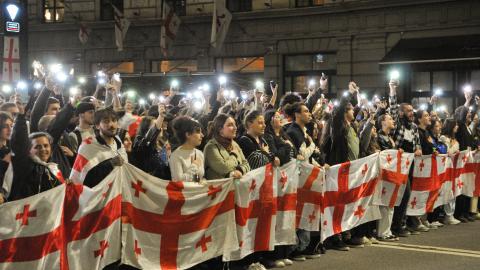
<point x="11" y="59"/>
<point x="394" y="169"/>
<point x="121" y="27"/>
<point x="170" y="25"/>
<point x="29" y="229"/>
<point x="309" y="197"/>
<point x="457" y="170"/>
<point x="90" y="154"/>
<point x="429" y="173"/>
<point x="175" y="225"/>
<point x="470" y="178"/>
<point x="67" y="227"/>
<point x="83" y="34"/>
<point x="348" y="195"/>
<point x="286" y="182"/>
<point x="221" y="21"/>
<point x="255" y="213"/>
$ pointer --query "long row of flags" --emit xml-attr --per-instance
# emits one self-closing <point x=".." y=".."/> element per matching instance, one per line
<point x="170" y="25"/>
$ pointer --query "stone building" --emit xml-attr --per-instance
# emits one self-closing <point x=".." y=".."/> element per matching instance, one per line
<point x="431" y="42"/>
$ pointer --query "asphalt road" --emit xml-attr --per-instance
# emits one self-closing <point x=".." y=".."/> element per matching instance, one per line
<point x="450" y="247"/>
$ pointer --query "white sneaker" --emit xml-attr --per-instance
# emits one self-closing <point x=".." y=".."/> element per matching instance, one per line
<point x="287" y="262"/>
<point x="450" y="220"/>
<point x="366" y="241"/>
<point x="373" y="240"/>
<point x="278" y="264"/>
<point x="253" y="266"/>
<point x="260" y="266"/>
<point x="436" y="223"/>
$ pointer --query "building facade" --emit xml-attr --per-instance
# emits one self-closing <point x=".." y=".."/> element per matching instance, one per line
<point x="288" y="41"/>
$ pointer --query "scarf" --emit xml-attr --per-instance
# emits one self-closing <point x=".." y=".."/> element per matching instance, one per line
<point x="225" y="142"/>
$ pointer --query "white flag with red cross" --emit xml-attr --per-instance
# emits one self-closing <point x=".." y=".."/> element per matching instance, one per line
<point x="471" y="174"/>
<point x="68" y="227"/>
<point x="220" y="24"/>
<point x="309" y="197"/>
<point x="255" y="212"/>
<point x="348" y="195"/>
<point x="445" y="172"/>
<point x="31" y="232"/>
<point x="286" y="179"/>
<point x="175" y="225"/>
<point x="457" y="170"/>
<point x="90" y="154"/>
<point x="11" y="59"/>
<point x="170" y="25"/>
<point x="93" y="223"/>
<point x="121" y="27"/>
<point x="429" y="173"/>
<point x="394" y="168"/>
<point x="83" y="33"/>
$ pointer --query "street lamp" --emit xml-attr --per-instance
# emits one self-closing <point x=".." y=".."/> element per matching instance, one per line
<point x="12" y="10"/>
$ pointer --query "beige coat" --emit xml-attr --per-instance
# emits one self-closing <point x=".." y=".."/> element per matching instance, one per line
<point x="219" y="163"/>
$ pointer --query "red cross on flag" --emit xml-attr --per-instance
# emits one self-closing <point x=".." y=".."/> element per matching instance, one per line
<point x="11" y="59"/>
<point x="68" y="227"/>
<point x="309" y="196"/>
<point x="429" y="173"/>
<point x="168" y="32"/>
<point x="175" y="225"/>
<point x="394" y="169"/>
<point x="220" y="23"/>
<point x="460" y="174"/>
<point x="471" y="174"/>
<point x="255" y="212"/>
<point x="285" y="178"/>
<point x="348" y="195"/>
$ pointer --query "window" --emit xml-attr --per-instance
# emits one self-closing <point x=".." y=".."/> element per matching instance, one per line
<point x="53" y="11"/>
<point x="310" y="62"/>
<point x="432" y="80"/>
<point x="179" y="6"/>
<point x="240" y="64"/>
<point x="174" y="66"/>
<point x="309" y="3"/>
<point x="106" y="9"/>
<point x="421" y="82"/>
<point x="239" y="5"/>
<point x="442" y="80"/>
<point x="475" y="79"/>
<point x="120" y="67"/>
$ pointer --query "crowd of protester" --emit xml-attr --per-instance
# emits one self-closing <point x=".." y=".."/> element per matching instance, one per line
<point x="171" y="139"/>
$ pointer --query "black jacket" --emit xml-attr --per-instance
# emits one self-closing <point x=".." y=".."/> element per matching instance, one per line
<point x="29" y="176"/>
<point x="146" y="157"/>
<point x="427" y="147"/>
<point x="279" y="147"/>
<point x="296" y="134"/>
<point x="57" y="130"/>
<point x="103" y="169"/>
<point x="384" y="142"/>
<point x="253" y="151"/>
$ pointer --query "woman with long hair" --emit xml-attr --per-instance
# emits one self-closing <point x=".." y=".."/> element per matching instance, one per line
<point x="223" y="156"/>
<point x="276" y="138"/>
<point x="186" y="162"/>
